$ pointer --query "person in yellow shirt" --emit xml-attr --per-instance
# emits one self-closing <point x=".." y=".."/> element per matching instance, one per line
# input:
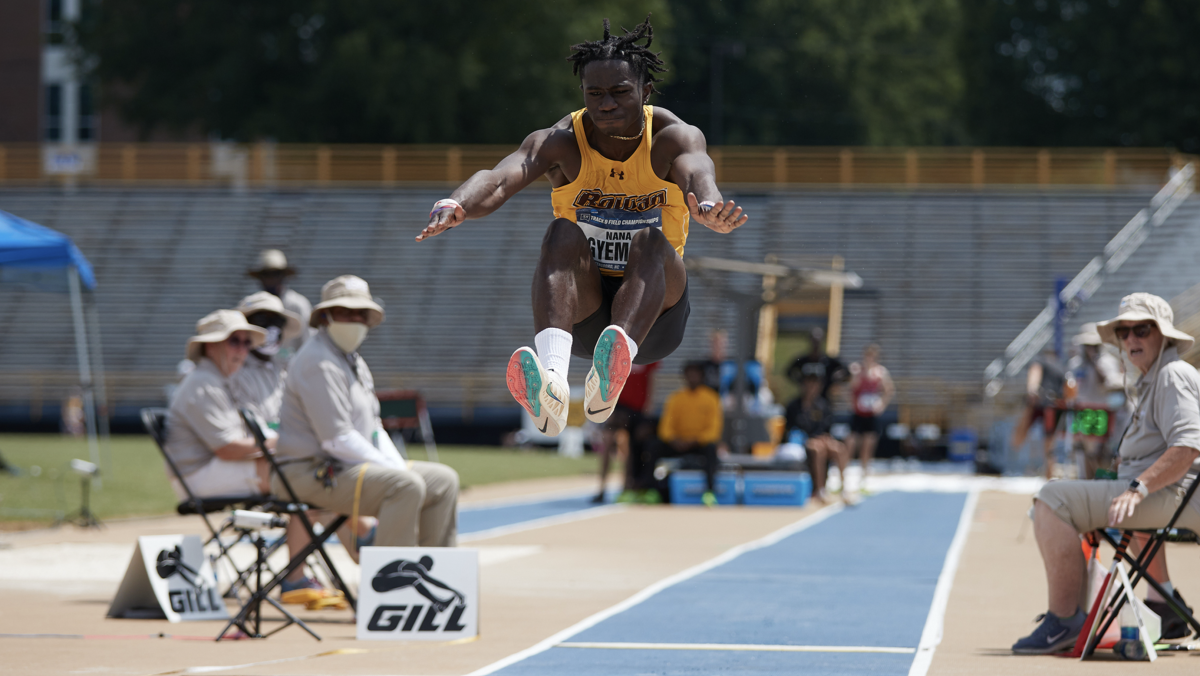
<point x="691" y="425"/>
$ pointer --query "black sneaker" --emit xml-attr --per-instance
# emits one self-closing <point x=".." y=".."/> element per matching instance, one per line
<point x="1054" y="634"/>
<point x="1173" y="626"/>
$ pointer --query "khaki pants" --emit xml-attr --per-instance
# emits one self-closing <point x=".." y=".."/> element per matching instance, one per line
<point x="415" y="507"/>
<point x="1084" y="505"/>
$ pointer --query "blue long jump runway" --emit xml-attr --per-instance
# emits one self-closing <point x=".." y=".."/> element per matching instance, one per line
<point x="863" y="579"/>
<point x="476" y="520"/>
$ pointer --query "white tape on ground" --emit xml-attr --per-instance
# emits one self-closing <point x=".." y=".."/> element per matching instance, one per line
<point x="528" y="499"/>
<point x="655" y="588"/>
<point x="543" y="522"/>
<point x="935" y="622"/>
<point x="740" y="647"/>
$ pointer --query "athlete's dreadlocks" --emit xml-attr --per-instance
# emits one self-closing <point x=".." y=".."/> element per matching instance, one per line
<point x="624" y="48"/>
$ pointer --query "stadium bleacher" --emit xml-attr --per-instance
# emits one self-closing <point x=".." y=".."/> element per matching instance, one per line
<point x="950" y="276"/>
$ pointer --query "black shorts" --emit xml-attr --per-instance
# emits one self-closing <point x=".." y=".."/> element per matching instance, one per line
<point x="664" y="337"/>
<point x="623" y="418"/>
<point x="864" y="424"/>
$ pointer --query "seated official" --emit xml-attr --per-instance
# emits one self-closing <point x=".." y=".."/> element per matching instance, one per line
<point x="812" y="414"/>
<point x="690" y="427"/>
<point x="206" y="438"/>
<point x="332" y="444"/>
<point x="258" y="385"/>
<point x="1156" y="454"/>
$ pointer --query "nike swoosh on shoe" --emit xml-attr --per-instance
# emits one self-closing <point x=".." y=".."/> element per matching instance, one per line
<point x="601" y="410"/>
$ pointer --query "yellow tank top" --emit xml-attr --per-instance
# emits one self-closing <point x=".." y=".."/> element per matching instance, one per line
<point x="611" y="200"/>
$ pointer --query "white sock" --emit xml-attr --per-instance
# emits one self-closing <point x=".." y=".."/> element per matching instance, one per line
<point x="1153" y="595"/>
<point x="554" y="349"/>
<point x="628" y="340"/>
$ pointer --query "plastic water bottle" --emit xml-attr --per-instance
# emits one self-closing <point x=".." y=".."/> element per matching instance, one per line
<point x="1130" y="646"/>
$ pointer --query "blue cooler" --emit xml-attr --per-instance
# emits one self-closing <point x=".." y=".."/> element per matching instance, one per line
<point x="962" y="443"/>
<point x="687" y="487"/>
<point x="790" y="489"/>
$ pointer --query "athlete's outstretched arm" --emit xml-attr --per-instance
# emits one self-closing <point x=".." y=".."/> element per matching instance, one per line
<point x="487" y="190"/>
<point x="693" y="171"/>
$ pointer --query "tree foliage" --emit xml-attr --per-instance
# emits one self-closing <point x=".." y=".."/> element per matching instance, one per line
<point x="805" y="72"/>
<point x="346" y="71"/>
<point x="820" y="72"/>
<point x="1083" y="72"/>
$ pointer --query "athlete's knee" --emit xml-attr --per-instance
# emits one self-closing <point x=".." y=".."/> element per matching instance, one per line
<point x="651" y="244"/>
<point x="563" y="234"/>
<point x="649" y="237"/>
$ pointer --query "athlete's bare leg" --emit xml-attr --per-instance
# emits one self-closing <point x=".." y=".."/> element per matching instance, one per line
<point x="655" y="278"/>
<point x="566" y="284"/>
<point x="817" y="456"/>
<point x="867" y="452"/>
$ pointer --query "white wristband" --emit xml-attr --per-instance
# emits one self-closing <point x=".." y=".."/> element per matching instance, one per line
<point x="708" y="203"/>
<point x="444" y="204"/>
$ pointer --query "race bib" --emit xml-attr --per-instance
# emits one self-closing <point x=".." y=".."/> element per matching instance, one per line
<point x="609" y="232"/>
<point x="869" y="403"/>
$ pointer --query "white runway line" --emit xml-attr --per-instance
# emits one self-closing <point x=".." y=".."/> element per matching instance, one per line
<point x="655" y="588"/>
<point x="740" y="647"/>
<point x="935" y="622"/>
<point x="543" y="522"/>
<point x="529" y="499"/>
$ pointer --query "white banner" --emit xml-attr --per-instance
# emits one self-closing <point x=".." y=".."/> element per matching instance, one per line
<point x="169" y="574"/>
<point x="418" y="594"/>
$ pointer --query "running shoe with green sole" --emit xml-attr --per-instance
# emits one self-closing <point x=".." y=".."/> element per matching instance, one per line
<point x="543" y="394"/>
<point x="610" y="369"/>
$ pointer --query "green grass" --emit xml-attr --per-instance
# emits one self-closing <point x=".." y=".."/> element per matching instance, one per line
<point x="135" y="482"/>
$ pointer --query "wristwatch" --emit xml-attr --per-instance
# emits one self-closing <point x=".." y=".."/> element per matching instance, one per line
<point x="1139" y="488"/>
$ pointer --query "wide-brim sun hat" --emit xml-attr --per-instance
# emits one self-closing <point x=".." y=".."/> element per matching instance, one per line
<point x="1088" y="335"/>
<point x="1141" y="307"/>
<point x="265" y="301"/>
<point x="217" y="327"/>
<point x="271" y="261"/>
<point x="349" y="292"/>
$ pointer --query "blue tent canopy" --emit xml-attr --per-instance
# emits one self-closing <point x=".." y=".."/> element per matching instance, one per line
<point x="35" y="255"/>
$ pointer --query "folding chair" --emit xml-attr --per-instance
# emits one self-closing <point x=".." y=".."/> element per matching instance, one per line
<point x="405" y="409"/>
<point x="1158" y="537"/>
<point x="251" y="610"/>
<point x="154" y="420"/>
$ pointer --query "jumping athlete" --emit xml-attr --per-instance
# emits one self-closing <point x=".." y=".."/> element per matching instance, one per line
<point x="402" y="573"/>
<point x="610" y="284"/>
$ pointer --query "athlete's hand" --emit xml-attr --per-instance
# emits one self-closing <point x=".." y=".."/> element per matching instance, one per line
<point x="722" y="217"/>
<point x="442" y="220"/>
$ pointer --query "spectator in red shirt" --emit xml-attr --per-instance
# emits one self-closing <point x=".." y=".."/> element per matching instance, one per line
<point x="627" y="417"/>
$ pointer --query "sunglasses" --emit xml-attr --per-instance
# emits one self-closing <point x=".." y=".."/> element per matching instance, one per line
<point x="1138" y="330"/>
<point x="234" y="341"/>
<point x="267" y="320"/>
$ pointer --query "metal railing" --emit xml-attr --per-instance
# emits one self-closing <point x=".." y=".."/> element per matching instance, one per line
<point x="40" y="388"/>
<point x="1085" y="284"/>
<point x="269" y="164"/>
